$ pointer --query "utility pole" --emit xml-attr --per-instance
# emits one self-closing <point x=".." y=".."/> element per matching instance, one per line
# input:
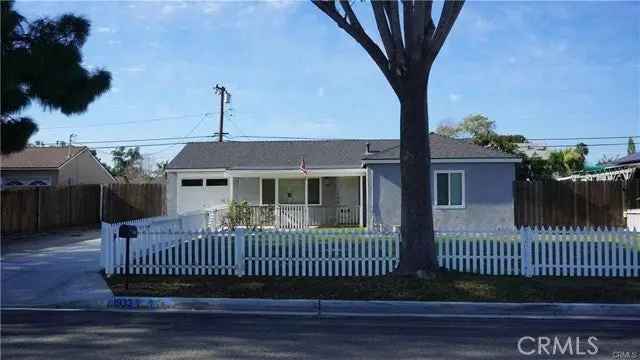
<point x="222" y="91"/>
<point x="69" y="145"/>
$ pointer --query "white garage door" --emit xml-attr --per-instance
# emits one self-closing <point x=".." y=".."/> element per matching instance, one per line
<point x="200" y="194"/>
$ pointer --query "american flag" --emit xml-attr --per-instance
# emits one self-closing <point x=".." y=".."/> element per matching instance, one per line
<point x="303" y="168"/>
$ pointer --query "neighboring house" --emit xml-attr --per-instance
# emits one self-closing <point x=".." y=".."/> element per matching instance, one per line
<point x="622" y="169"/>
<point x="347" y="182"/>
<point x="52" y="166"/>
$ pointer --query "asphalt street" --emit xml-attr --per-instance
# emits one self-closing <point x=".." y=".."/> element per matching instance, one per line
<point x="95" y="335"/>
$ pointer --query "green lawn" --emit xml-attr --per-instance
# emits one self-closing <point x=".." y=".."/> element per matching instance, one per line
<point x="449" y="286"/>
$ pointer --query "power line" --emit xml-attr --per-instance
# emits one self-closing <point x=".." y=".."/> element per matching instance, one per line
<point x="588" y="145"/>
<point x="186" y="136"/>
<point x="585" y="138"/>
<point x="149" y="139"/>
<point x="185" y="142"/>
<point x="130" y="122"/>
<point x="137" y="145"/>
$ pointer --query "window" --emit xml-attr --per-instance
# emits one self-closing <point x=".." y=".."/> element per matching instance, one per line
<point x="449" y="189"/>
<point x="14" y="183"/>
<point x="216" y="182"/>
<point x="38" y="183"/>
<point x="268" y="191"/>
<point x="313" y="197"/>
<point x="191" y="182"/>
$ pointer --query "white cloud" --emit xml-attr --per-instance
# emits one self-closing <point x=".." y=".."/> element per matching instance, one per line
<point x="211" y="8"/>
<point x="282" y="4"/>
<point x="106" y="29"/>
<point x="320" y="92"/>
<point x="114" y="42"/>
<point x="512" y="60"/>
<point x="454" y="97"/>
<point x="170" y="8"/>
<point x="115" y="90"/>
<point x="135" y="69"/>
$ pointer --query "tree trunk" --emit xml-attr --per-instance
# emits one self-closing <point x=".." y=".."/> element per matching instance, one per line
<point x="417" y="248"/>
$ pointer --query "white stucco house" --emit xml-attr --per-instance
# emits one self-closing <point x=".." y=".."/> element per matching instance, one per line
<point x="346" y="182"/>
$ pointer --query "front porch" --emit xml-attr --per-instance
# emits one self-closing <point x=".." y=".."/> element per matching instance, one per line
<point x="297" y="201"/>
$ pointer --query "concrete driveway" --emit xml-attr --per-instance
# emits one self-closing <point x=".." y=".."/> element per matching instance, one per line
<point x="54" y="269"/>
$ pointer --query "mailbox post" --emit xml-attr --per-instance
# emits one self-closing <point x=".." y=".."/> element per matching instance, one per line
<point x="127" y="232"/>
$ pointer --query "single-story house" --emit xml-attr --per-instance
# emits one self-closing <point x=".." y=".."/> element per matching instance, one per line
<point x="344" y="182"/>
<point x="52" y="166"/>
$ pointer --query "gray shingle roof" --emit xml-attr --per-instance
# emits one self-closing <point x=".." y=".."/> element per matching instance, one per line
<point x="39" y="157"/>
<point x="317" y="154"/>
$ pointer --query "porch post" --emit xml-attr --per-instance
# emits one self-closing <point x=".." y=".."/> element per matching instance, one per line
<point x="360" y="188"/>
<point x="276" y="207"/>
<point x="231" y="188"/>
<point x="306" y="202"/>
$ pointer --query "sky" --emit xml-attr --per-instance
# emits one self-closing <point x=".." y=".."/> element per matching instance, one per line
<point x="540" y="69"/>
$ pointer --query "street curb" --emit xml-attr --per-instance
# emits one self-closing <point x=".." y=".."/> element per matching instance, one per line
<point x="358" y="308"/>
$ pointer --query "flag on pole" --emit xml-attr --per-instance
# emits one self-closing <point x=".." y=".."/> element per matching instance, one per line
<point x="303" y="168"/>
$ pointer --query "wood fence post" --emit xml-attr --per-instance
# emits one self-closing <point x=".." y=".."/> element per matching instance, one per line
<point x="525" y="252"/>
<point x="101" y="199"/>
<point x="39" y="210"/>
<point x="239" y="251"/>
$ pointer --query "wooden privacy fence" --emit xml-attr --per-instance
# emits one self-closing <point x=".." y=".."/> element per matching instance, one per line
<point x="123" y="202"/>
<point x="35" y="209"/>
<point x="574" y="203"/>
<point x="528" y="252"/>
<point x="43" y="208"/>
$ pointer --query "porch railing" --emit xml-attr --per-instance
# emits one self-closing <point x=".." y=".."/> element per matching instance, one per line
<point x="293" y="216"/>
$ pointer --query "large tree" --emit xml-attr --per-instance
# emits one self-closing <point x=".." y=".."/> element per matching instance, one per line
<point x="411" y="44"/>
<point x="41" y="60"/>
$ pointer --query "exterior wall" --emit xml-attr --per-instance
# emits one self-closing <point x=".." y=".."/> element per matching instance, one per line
<point x="488" y="193"/>
<point x="84" y="169"/>
<point x="184" y="199"/>
<point x="347" y="190"/>
<point x="329" y="195"/>
<point x="50" y="176"/>
<point x="172" y="194"/>
<point x="247" y="189"/>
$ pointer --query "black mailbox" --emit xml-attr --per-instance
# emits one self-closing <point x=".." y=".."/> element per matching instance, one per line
<point x="128" y="231"/>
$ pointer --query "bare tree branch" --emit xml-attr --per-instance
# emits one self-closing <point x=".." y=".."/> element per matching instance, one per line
<point x="429" y="26"/>
<point x="393" y="16"/>
<point x="407" y="14"/>
<point x="418" y="26"/>
<point x="450" y="11"/>
<point x="352" y="27"/>
<point x="383" y="29"/>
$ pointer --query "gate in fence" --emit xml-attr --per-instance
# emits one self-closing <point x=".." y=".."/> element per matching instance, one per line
<point x="193" y="250"/>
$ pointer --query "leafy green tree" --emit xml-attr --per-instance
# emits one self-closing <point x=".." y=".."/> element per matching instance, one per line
<point x="583" y="149"/>
<point x="126" y="161"/>
<point x="482" y="131"/>
<point x="41" y="60"/>
<point x="631" y="146"/>
<point x="448" y="129"/>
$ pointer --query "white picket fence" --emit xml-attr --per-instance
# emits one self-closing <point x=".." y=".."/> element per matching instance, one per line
<point x="528" y="252"/>
<point x="109" y="231"/>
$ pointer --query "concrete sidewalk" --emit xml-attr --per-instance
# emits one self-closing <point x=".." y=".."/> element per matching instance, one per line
<point x="52" y="269"/>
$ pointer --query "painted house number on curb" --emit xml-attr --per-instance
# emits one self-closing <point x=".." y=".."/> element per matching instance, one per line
<point x="129" y="303"/>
